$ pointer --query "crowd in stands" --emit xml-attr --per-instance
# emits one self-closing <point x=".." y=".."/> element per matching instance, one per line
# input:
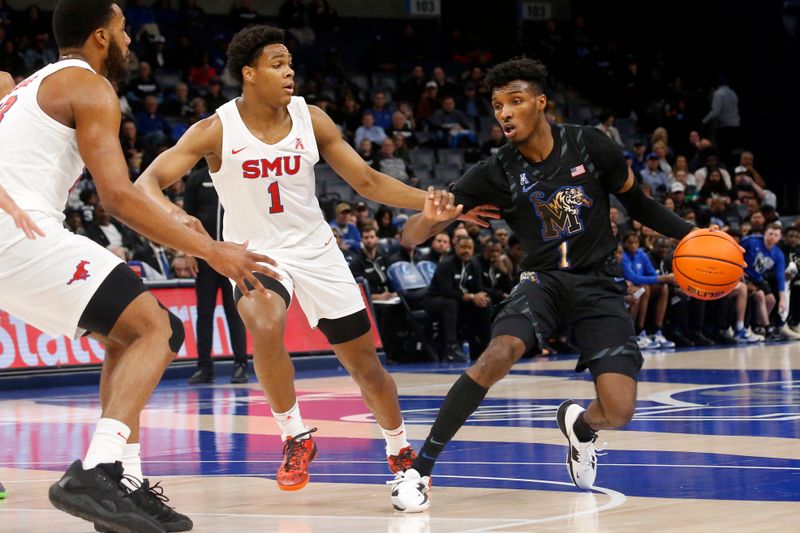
<point x="424" y="120"/>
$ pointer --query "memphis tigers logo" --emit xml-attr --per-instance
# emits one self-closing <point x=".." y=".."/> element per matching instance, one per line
<point x="561" y="213"/>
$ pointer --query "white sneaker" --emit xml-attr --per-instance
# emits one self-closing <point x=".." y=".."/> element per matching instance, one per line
<point x="754" y="335"/>
<point x="661" y="342"/>
<point x="645" y="342"/>
<point x="581" y="456"/>
<point x="746" y="336"/>
<point x="789" y="333"/>
<point x="410" y="491"/>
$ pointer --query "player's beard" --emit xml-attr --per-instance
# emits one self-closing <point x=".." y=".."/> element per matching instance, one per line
<point x="116" y="64"/>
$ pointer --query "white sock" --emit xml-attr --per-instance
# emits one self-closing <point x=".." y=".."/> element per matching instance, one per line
<point x="290" y="422"/>
<point x="739" y="325"/>
<point x="107" y="443"/>
<point x="132" y="464"/>
<point x="396" y="439"/>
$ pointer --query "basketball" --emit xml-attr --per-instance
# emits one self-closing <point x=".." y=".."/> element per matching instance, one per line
<point x="708" y="264"/>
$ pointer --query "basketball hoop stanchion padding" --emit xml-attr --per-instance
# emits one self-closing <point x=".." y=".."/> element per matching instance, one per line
<point x="708" y="264"/>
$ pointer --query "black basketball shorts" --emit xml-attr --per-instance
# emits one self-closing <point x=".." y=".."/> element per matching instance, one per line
<point x="592" y="302"/>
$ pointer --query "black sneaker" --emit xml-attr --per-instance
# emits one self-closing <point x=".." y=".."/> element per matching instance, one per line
<point x="774" y="335"/>
<point x="202" y="375"/>
<point x="153" y="501"/>
<point x="97" y="495"/>
<point x="700" y="340"/>
<point x="453" y="354"/>
<point x="239" y="374"/>
<point x="721" y="337"/>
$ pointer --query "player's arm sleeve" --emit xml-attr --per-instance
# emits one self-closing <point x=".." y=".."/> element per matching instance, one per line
<point x="618" y="179"/>
<point x="651" y="213"/>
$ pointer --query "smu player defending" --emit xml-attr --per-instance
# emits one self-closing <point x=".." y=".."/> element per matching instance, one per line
<point x="7" y="204"/>
<point x="261" y="149"/>
<point x="65" y="284"/>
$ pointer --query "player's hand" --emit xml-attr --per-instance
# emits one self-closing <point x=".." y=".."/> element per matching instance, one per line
<point x="185" y="219"/>
<point x="439" y="206"/>
<point x="26" y="224"/>
<point x="239" y="264"/>
<point x="479" y="214"/>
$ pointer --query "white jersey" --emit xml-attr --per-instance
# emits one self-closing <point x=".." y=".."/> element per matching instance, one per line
<point x="39" y="158"/>
<point x="268" y="190"/>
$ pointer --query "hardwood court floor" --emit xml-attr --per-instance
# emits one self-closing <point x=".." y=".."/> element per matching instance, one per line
<point x="713" y="447"/>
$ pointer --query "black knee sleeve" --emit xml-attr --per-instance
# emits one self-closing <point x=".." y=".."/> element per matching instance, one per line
<point x="346" y="328"/>
<point x="178" y="332"/>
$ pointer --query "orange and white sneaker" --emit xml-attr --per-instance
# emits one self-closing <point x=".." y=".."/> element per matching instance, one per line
<point x="402" y="461"/>
<point x="298" y="452"/>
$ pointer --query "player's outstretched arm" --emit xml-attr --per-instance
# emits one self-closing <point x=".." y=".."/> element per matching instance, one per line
<point x="437" y="213"/>
<point x="649" y="212"/>
<point x="201" y="140"/>
<point x="6" y="83"/>
<point x="97" y="117"/>
<point x="367" y="181"/>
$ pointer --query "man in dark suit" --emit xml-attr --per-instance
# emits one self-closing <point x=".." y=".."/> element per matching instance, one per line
<point x="201" y="201"/>
<point x="458" y="297"/>
<point x="112" y="235"/>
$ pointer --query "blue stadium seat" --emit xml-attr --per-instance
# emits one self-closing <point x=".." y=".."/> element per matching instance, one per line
<point x="447" y="172"/>
<point x="451" y="156"/>
<point x="427" y="269"/>
<point x="406" y="278"/>
<point x="423" y="156"/>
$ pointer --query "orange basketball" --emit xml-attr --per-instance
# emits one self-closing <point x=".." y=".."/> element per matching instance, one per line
<point x="708" y="264"/>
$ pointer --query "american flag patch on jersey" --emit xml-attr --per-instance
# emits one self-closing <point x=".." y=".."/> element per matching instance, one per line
<point x="577" y="171"/>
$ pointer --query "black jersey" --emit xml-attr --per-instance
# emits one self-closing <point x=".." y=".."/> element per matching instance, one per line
<point x="559" y="207"/>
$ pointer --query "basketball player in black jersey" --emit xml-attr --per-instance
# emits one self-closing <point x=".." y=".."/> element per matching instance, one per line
<point x="552" y="185"/>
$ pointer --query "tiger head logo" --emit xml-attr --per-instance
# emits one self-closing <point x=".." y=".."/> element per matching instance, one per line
<point x="561" y="213"/>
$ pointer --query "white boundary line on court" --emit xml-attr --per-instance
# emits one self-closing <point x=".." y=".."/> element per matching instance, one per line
<point x="10" y="464"/>
<point x="616" y="499"/>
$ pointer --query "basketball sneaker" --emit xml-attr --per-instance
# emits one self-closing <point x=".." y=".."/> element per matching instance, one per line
<point x="401" y="461"/>
<point x="410" y="491"/>
<point x="298" y="452"/>
<point x="645" y="342"/>
<point x="153" y="501"/>
<point x="789" y="333"/>
<point x="661" y="341"/>
<point x="2" y="492"/>
<point x="745" y="336"/>
<point x="581" y="456"/>
<point x="98" y="495"/>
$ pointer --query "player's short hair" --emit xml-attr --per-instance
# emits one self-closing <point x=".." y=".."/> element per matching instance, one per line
<point x="75" y="20"/>
<point x="247" y="45"/>
<point x="774" y="226"/>
<point x="520" y="68"/>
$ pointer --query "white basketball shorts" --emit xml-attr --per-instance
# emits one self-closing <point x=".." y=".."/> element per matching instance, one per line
<point x="48" y="282"/>
<point x="317" y="274"/>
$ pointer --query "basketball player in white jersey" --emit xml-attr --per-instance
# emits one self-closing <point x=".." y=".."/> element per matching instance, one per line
<point x="59" y="120"/>
<point x="261" y="149"/>
<point x="7" y="204"/>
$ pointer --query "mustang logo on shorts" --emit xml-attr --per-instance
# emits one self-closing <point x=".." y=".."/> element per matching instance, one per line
<point x="81" y="274"/>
